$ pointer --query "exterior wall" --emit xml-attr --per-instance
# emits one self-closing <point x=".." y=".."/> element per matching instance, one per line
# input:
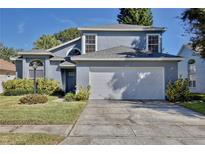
<point x="27" y="59"/>
<point x="51" y="68"/>
<point x="200" y="69"/>
<point x="54" y="72"/>
<point x="107" y="40"/>
<point x="170" y="69"/>
<point x="62" y="52"/>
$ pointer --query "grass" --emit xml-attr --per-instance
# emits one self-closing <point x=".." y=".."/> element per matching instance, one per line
<point x="29" y="139"/>
<point x="52" y="112"/>
<point x="198" y="106"/>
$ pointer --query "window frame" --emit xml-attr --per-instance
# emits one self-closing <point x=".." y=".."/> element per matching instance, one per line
<point x="42" y="68"/>
<point x="90" y="34"/>
<point x="159" y="41"/>
<point x="192" y="83"/>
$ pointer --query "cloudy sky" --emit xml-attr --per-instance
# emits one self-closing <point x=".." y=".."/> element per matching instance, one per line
<point x="19" y="28"/>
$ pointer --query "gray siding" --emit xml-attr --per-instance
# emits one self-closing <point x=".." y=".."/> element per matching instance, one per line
<point x="54" y="72"/>
<point x="199" y="77"/>
<point x="107" y="40"/>
<point x="62" y="51"/>
<point x="171" y="69"/>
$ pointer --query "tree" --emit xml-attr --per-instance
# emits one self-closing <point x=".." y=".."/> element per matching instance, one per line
<point x="194" y="20"/>
<point x="49" y="41"/>
<point x="135" y="16"/>
<point x="67" y="34"/>
<point x="6" y="52"/>
<point x="46" y="42"/>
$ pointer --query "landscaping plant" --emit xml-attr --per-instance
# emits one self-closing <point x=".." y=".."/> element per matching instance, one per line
<point x="178" y="91"/>
<point x="33" y="99"/>
<point x="82" y="95"/>
<point x="25" y="86"/>
<point x="69" y="97"/>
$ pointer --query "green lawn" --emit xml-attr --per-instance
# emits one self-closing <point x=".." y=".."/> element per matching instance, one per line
<point x="29" y="139"/>
<point x="52" y="112"/>
<point x="198" y="106"/>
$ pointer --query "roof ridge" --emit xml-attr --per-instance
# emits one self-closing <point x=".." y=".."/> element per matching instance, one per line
<point x="63" y="44"/>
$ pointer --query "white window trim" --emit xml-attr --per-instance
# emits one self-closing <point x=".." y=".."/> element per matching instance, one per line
<point x="159" y="41"/>
<point x="71" y="50"/>
<point x="96" y="40"/>
<point x="40" y="68"/>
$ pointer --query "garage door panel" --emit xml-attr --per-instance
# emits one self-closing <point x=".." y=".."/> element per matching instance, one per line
<point x="126" y="83"/>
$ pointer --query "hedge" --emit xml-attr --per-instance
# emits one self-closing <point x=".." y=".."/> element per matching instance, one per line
<point x="25" y="86"/>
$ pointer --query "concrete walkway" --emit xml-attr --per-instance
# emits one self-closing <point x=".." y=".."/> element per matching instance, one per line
<point x="127" y="122"/>
<point x="61" y="130"/>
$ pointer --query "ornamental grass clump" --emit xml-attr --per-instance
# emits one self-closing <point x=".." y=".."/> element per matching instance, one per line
<point x="33" y="99"/>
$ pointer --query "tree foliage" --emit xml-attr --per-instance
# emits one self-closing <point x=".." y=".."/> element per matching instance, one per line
<point x="46" y="42"/>
<point x="194" y="20"/>
<point x="6" y="52"/>
<point x="67" y="34"/>
<point x="49" y="41"/>
<point x="135" y="16"/>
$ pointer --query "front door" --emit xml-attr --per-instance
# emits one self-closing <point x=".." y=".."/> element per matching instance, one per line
<point x="70" y="80"/>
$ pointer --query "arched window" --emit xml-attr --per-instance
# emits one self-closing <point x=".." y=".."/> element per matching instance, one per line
<point x="39" y="71"/>
<point x="74" y="52"/>
<point x="192" y="72"/>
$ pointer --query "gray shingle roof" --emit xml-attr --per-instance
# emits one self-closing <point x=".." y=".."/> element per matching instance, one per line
<point x="122" y="53"/>
<point x="35" y="52"/>
<point x="67" y="64"/>
<point x="123" y="27"/>
<point x="57" y="58"/>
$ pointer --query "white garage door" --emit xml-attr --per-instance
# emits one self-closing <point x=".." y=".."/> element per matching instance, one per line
<point x="127" y="82"/>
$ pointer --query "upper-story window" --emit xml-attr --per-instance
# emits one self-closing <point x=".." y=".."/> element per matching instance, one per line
<point x="153" y="42"/>
<point x="191" y="66"/>
<point x="90" y="43"/>
<point x="192" y="72"/>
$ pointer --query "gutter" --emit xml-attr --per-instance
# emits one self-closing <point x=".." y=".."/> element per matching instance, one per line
<point x="128" y="59"/>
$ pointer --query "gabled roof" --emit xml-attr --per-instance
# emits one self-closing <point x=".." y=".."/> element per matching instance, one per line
<point x="122" y="27"/>
<point x="67" y="64"/>
<point x="63" y="44"/>
<point x="125" y="54"/>
<point x="57" y="58"/>
<point x="188" y="46"/>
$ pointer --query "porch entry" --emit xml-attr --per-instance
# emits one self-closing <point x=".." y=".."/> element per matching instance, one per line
<point x="70" y="80"/>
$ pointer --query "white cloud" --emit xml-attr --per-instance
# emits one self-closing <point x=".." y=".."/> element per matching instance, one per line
<point x="63" y="21"/>
<point x="21" y="28"/>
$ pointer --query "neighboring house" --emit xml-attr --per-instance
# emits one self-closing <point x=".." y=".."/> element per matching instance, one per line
<point x="7" y="72"/>
<point x="192" y="68"/>
<point x="117" y="61"/>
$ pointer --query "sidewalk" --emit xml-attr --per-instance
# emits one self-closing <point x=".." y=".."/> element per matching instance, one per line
<point x="62" y="130"/>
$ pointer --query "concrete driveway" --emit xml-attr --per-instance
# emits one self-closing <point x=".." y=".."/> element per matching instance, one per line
<point x="137" y="122"/>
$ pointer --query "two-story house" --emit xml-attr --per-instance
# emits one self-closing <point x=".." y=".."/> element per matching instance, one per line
<point x="117" y="61"/>
<point x="192" y="68"/>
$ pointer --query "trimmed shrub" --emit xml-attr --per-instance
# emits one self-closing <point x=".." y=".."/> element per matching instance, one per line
<point x="18" y="84"/>
<point x="25" y="86"/>
<point x="33" y="99"/>
<point x="46" y="86"/>
<point x="83" y="94"/>
<point x="198" y="96"/>
<point x="178" y="91"/>
<point x="69" y="97"/>
<point x="17" y="92"/>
